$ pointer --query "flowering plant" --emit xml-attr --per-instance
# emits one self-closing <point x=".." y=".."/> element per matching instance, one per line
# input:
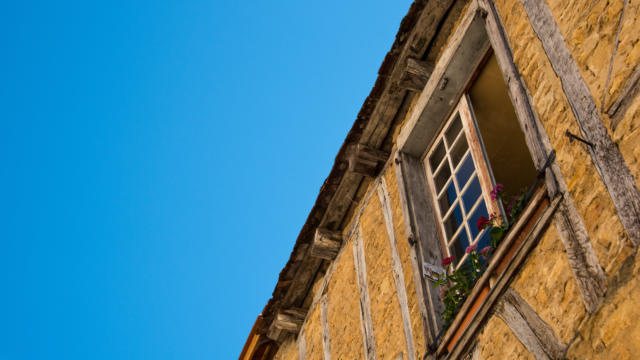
<point x="456" y="283"/>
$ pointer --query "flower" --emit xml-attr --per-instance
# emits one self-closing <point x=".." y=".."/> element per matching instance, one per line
<point x="496" y="191"/>
<point x="482" y="223"/>
<point x="447" y="261"/>
<point x="471" y="248"/>
<point x="486" y="250"/>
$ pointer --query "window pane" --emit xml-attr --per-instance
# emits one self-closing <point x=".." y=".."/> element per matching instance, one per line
<point x="442" y="176"/>
<point x="437" y="156"/>
<point x="471" y="195"/>
<point x="454" y="130"/>
<point x="465" y="171"/>
<point x="459" y="245"/>
<point x="458" y="150"/>
<point x="447" y="198"/>
<point x="453" y="221"/>
<point x="481" y="210"/>
<point x="484" y="241"/>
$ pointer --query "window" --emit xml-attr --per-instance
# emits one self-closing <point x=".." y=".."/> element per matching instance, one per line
<point x="462" y="169"/>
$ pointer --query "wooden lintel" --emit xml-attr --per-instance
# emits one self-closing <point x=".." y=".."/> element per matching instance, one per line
<point x="289" y="320"/>
<point x="415" y="75"/>
<point x="326" y="244"/>
<point x="365" y="160"/>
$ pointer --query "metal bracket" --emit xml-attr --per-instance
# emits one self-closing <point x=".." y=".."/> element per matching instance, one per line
<point x="576" y="137"/>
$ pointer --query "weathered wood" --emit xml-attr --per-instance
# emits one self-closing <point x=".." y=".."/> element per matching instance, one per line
<point x="365" y="160"/>
<point x="422" y="232"/>
<point x="416" y="255"/>
<point x="396" y="269"/>
<point x="302" y="345"/>
<point x="371" y="128"/>
<point x="581" y="255"/>
<point x="503" y="249"/>
<point x="631" y="89"/>
<point x="324" y="318"/>
<point x="416" y="75"/>
<point x="326" y="244"/>
<point x="583" y="261"/>
<point x="535" y="334"/>
<point x="616" y="42"/>
<point x="365" y="302"/>
<point x="503" y="280"/>
<point x="605" y="155"/>
<point x="418" y="40"/>
<point x="289" y="320"/>
<point x="464" y="52"/>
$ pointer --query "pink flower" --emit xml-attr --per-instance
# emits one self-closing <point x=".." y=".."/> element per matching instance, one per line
<point x="496" y="191"/>
<point x="482" y="223"/>
<point x="486" y="251"/>
<point x="447" y="261"/>
<point x="471" y="248"/>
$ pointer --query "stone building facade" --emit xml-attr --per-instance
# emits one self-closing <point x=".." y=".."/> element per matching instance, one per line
<point x="538" y="95"/>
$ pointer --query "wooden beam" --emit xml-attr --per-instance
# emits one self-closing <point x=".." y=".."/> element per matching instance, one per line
<point x="396" y="269"/>
<point x="478" y="320"/>
<point x="365" y="303"/>
<point x="420" y="223"/>
<point x="631" y="89"/>
<point x="464" y="52"/>
<point x="326" y="244"/>
<point x="416" y="75"/>
<point x="302" y="346"/>
<point x="535" y="334"/>
<point x="365" y="160"/>
<point x="289" y="320"/>
<point x="583" y="262"/>
<point x="605" y="155"/>
<point x="324" y="318"/>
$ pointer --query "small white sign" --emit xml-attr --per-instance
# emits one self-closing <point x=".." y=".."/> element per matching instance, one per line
<point x="432" y="272"/>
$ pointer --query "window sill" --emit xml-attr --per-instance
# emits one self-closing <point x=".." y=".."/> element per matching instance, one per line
<point x="511" y="252"/>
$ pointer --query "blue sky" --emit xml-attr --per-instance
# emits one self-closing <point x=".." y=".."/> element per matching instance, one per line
<point x="159" y="159"/>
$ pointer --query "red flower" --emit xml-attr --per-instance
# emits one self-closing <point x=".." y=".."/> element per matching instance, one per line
<point x="482" y="223"/>
<point x="447" y="261"/>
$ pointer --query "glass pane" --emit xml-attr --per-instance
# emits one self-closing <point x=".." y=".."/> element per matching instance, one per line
<point x="473" y="192"/>
<point x="481" y="210"/>
<point x="458" y="150"/>
<point x="453" y="221"/>
<point x="442" y="176"/>
<point x="454" y="130"/>
<point x="484" y="241"/>
<point x="465" y="171"/>
<point x="436" y="158"/>
<point x="459" y="245"/>
<point x="447" y="198"/>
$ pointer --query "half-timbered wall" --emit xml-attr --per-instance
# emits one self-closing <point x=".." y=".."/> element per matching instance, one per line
<point x="570" y="289"/>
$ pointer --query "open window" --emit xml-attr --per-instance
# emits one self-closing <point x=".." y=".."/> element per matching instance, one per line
<point x="479" y="146"/>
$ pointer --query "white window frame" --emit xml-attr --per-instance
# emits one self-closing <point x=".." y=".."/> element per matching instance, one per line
<point x="482" y="170"/>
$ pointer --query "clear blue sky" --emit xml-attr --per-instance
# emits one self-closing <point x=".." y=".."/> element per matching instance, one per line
<point x="159" y="159"/>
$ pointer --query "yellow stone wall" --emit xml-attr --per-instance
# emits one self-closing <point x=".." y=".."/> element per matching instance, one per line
<point x="497" y="342"/>
<point x="288" y="350"/>
<point x="313" y="335"/>
<point x="585" y="186"/>
<point x="545" y="280"/>
<point x="614" y="331"/>
<point x="385" y="308"/>
<point x="344" y="308"/>
<point x="405" y="258"/>
<point x="546" y="283"/>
